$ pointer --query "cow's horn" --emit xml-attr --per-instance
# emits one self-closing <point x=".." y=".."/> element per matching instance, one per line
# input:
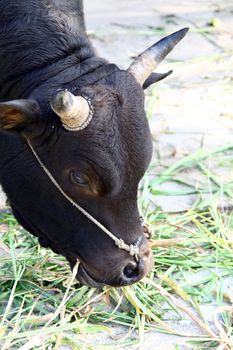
<point x="75" y="111"/>
<point x="147" y="61"/>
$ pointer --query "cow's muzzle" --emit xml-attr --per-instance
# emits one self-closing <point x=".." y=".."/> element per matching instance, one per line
<point x="125" y="272"/>
<point x="134" y="270"/>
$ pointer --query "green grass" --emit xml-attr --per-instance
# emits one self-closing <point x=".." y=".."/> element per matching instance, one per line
<point x="42" y="307"/>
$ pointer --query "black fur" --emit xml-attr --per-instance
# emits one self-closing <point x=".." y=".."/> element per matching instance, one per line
<point x="44" y="47"/>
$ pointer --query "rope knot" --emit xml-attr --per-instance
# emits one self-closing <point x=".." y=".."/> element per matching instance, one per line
<point x="121" y="244"/>
<point x="133" y="249"/>
<point x="147" y="230"/>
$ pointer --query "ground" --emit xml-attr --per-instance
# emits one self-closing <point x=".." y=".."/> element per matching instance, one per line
<point x="190" y="110"/>
<point x="191" y="119"/>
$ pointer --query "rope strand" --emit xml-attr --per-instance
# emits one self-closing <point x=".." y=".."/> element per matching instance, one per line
<point x="132" y="249"/>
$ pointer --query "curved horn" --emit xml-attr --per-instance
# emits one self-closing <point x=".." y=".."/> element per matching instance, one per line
<point x="75" y="111"/>
<point x="147" y="61"/>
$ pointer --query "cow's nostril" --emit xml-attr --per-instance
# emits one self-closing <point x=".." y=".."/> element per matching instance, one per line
<point x="131" y="270"/>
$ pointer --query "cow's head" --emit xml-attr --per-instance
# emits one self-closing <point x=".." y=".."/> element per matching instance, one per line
<point x="97" y="145"/>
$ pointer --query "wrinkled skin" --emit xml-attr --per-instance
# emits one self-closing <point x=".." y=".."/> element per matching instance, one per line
<point x="99" y="167"/>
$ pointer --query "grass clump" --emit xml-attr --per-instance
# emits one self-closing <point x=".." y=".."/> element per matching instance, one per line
<point x="42" y="307"/>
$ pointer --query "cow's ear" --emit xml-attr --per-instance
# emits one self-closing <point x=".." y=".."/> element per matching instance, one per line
<point x="18" y="115"/>
<point x="154" y="77"/>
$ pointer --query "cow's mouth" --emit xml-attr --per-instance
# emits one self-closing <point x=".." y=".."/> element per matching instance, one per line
<point x="84" y="277"/>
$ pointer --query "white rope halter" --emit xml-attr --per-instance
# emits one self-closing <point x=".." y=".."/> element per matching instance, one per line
<point x="133" y="249"/>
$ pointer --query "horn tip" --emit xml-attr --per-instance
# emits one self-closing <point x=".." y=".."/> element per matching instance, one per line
<point x="60" y="100"/>
<point x="185" y="29"/>
<point x="182" y="32"/>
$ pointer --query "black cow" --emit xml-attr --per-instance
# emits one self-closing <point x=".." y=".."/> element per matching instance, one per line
<point x="85" y="119"/>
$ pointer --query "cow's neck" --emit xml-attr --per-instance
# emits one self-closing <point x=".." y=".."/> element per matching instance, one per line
<point x="56" y="72"/>
<point x="53" y="76"/>
<point x="50" y="44"/>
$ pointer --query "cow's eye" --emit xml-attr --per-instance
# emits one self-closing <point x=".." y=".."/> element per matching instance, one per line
<point x="78" y="179"/>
